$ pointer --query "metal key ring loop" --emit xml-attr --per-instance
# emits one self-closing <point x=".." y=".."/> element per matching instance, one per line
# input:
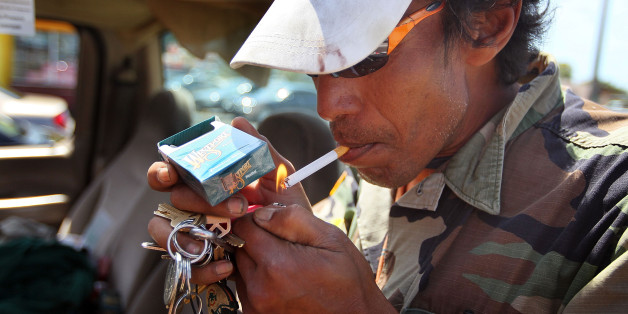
<point x="191" y="296"/>
<point x="186" y="285"/>
<point x="207" y="249"/>
<point x="172" y="238"/>
<point x="209" y="258"/>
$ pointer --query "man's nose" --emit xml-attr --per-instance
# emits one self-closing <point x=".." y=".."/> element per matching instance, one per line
<point x="336" y="97"/>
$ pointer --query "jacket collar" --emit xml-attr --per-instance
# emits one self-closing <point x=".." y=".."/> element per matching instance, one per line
<point x="474" y="173"/>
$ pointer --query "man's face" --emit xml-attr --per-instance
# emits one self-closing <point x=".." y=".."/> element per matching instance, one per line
<point x="400" y="117"/>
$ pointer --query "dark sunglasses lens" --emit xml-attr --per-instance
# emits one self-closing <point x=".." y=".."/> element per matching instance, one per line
<point x="366" y="66"/>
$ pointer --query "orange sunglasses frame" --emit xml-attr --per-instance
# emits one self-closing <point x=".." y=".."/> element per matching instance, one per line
<point x="406" y="25"/>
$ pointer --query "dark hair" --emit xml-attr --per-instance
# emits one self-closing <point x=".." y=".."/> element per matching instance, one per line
<point x="512" y="61"/>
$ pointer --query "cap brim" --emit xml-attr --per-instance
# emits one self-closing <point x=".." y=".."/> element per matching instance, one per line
<point x="319" y="36"/>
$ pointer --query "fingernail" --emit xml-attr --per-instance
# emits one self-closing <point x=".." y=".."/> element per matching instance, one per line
<point x="224" y="267"/>
<point x="235" y="205"/>
<point x="265" y="213"/>
<point x="163" y="175"/>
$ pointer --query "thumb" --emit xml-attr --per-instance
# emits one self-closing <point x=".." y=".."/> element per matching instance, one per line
<point x="294" y="224"/>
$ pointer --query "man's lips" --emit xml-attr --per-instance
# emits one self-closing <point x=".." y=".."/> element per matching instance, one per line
<point x="355" y="151"/>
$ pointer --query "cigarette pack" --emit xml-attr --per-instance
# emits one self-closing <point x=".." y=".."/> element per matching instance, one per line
<point x="215" y="159"/>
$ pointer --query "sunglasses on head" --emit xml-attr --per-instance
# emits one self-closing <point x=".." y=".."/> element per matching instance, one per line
<point x="378" y="58"/>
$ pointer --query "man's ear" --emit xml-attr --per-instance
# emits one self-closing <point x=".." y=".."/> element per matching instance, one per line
<point x="490" y="32"/>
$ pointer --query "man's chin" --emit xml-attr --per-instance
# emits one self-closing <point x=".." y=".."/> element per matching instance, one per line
<point x="378" y="178"/>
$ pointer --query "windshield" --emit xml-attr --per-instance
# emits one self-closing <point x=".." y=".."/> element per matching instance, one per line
<point x="221" y="91"/>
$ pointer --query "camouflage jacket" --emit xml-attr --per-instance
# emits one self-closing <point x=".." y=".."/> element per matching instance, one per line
<point x="529" y="216"/>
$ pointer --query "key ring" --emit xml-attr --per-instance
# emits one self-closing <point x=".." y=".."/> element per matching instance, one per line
<point x="206" y="261"/>
<point x="172" y="238"/>
<point x="191" y="296"/>
<point x="187" y="274"/>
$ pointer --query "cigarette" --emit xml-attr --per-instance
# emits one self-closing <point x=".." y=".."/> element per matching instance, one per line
<point x="314" y="166"/>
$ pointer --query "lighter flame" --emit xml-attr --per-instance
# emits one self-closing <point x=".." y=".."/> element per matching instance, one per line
<point x="282" y="173"/>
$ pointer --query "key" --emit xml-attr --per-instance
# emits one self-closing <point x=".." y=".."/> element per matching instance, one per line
<point x="153" y="246"/>
<point x="227" y="241"/>
<point x="220" y="253"/>
<point x="213" y="231"/>
<point x="185" y="294"/>
<point x="173" y="276"/>
<point x="176" y="285"/>
<point x="176" y="216"/>
<point x="203" y="234"/>
<point x="220" y="225"/>
<point x="165" y="211"/>
<point x="233" y="240"/>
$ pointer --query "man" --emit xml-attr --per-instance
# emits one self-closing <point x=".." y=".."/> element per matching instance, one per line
<point x="485" y="187"/>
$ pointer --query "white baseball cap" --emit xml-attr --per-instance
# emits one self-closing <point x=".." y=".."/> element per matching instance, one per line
<point x="319" y="36"/>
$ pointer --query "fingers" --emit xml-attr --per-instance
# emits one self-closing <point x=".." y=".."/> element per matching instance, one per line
<point x="294" y="224"/>
<point x="159" y="228"/>
<point x="244" y="125"/>
<point x="212" y="272"/>
<point x="292" y="260"/>
<point x="273" y="228"/>
<point x="162" y="176"/>
<point x="185" y="198"/>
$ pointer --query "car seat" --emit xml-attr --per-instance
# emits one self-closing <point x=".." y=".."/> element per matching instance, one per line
<point x="111" y="215"/>
<point x="301" y="138"/>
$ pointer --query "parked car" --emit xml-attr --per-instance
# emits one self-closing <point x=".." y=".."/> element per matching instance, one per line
<point x="224" y="94"/>
<point x="13" y="133"/>
<point x="49" y="112"/>
<point x="619" y="104"/>
<point x="280" y="96"/>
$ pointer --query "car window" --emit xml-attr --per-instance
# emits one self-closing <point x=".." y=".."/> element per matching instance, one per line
<point x="38" y="96"/>
<point x="221" y="91"/>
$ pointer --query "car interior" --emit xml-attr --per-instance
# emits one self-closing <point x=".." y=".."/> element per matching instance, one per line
<point x="133" y="72"/>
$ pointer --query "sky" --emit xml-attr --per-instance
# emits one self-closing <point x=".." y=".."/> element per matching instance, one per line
<point x="573" y="36"/>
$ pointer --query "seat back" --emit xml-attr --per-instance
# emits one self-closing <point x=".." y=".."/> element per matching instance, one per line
<point x="112" y="214"/>
<point x="302" y="138"/>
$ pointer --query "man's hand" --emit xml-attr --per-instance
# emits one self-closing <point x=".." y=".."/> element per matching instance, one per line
<point x="291" y="262"/>
<point x="162" y="176"/>
<point x="294" y="262"/>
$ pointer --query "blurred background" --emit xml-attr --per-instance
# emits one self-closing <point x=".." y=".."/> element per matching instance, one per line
<point x="38" y="74"/>
<point x="588" y="38"/>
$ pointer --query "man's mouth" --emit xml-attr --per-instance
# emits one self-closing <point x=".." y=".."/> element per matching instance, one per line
<point x="355" y="151"/>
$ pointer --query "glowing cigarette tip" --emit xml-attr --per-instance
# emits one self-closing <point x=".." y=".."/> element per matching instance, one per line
<point x="314" y="166"/>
